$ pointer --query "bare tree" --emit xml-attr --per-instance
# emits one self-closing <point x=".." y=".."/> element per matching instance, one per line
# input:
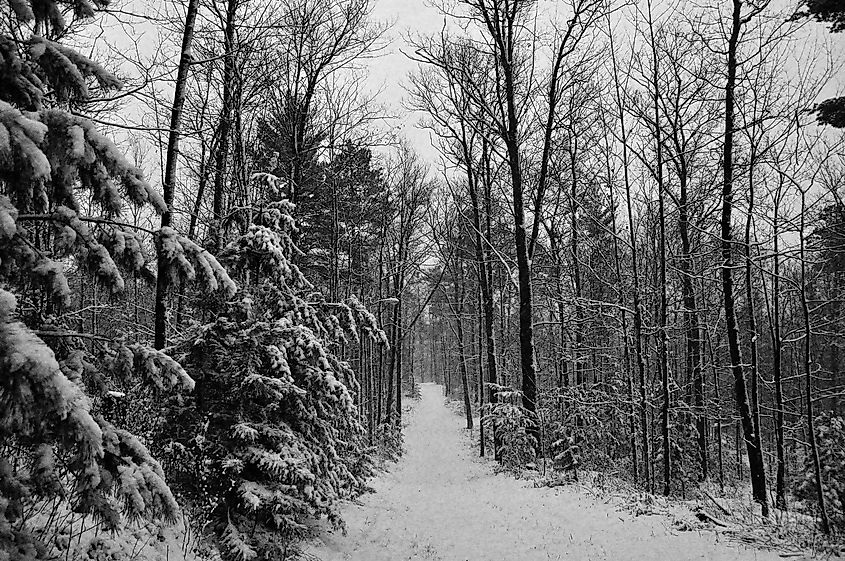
<point x="508" y="39"/>
<point x="755" y="454"/>
<point x="317" y="40"/>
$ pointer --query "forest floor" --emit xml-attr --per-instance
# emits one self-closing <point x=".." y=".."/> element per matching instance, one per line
<point x="442" y="502"/>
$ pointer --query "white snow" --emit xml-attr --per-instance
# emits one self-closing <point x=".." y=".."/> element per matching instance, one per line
<point x="441" y="502"/>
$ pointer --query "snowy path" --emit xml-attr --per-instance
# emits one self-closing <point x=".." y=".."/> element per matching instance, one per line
<point x="442" y="503"/>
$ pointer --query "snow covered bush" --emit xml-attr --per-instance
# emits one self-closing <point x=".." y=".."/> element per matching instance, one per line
<point x="279" y="434"/>
<point x="565" y="450"/>
<point x="513" y="426"/>
<point x="830" y="432"/>
<point x="64" y="187"/>
<point x="686" y="472"/>
<point x="56" y="451"/>
<point x="588" y="429"/>
<point x="389" y="441"/>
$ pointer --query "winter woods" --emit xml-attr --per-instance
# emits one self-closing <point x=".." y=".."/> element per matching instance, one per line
<point x="184" y="368"/>
<point x="222" y="273"/>
<point x="666" y="309"/>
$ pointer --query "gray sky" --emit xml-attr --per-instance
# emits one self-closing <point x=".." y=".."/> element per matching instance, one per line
<point x="389" y="72"/>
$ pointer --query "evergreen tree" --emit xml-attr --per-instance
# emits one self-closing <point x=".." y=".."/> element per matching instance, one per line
<point x="830" y="111"/>
<point x="63" y="188"/>
<point x="280" y="438"/>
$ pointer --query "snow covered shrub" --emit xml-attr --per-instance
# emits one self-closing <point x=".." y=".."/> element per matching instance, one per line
<point x="103" y="549"/>
<point x="280" y="439"/>
<point x="388" y="438"/>
<point x="565" y="451"/>
<point x="55" y="450"/>
<point x="587" y="431"/>
<point x="559" y="442"/>
<point x="685" y="452"/>
<point x="513" y="424"/>
<point x="830" y="433"/>
<point x="63" y="189"/>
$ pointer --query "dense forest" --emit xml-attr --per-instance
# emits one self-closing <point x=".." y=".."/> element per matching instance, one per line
<point x="223" y="274"/>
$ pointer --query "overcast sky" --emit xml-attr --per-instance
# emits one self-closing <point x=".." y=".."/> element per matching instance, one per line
<point x="389" y="72"/>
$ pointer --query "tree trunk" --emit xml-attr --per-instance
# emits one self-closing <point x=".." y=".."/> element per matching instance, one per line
<point x="170" y="169"/>
<point x="577" y="368"/>
<point x="225" y="125"/>
<point x="483" y="259"/>
<point x="480" y="326"/>
<point x="663" y="340"/>
<point x="623" y="318"/>
<point x="460" y="294"/>
<point x="755" y="454"/>
<point x="526" y="317"/>
<point x="693" y="330"/>
<point x="777" y="368"/>
<point x="635" y="279"/>
<point x="808" y="377"/>
<point x="400" y="337"/>
<point x="391" y="366"/>
<point x="717" y="398"/>
<point x="526" y="325"/>
<point x="752" y="308"/>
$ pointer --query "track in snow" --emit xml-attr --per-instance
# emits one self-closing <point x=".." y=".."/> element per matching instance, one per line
<point x="441" y="502"/>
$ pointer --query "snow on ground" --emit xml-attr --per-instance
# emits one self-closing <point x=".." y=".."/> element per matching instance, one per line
<point x="441" y="502"/>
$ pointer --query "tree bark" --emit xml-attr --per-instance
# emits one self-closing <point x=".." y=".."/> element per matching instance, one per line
<point x="169" y="185"/>
<point x="225" y="125"/>
<point x="577" y="369"/>
<point x="460" y="295"/>
<point x="635" y="279"/>
<point x="623" y="317"/>
<point x="693" y="330"/>
<point x="777" y="361"/>
<point x="752" y="308"/>
<point x="808" y="377"/>
<point x="391" y="365"/>
<point x="400" y="338"/>
<point x="755" y="454"/>
<point x="663" y="341"/>
<point x="480" y="341"/>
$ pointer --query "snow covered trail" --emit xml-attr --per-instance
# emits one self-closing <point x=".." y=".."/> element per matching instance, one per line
<point x="440" y="502"/>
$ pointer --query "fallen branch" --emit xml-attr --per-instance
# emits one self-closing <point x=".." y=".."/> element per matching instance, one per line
<point x="705" y="516"/>
<point x="719" y="506"/>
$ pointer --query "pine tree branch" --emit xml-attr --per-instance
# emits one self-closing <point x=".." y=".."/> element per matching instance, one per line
<point x="89" y="219"/>
<point x="49" y="333"/>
